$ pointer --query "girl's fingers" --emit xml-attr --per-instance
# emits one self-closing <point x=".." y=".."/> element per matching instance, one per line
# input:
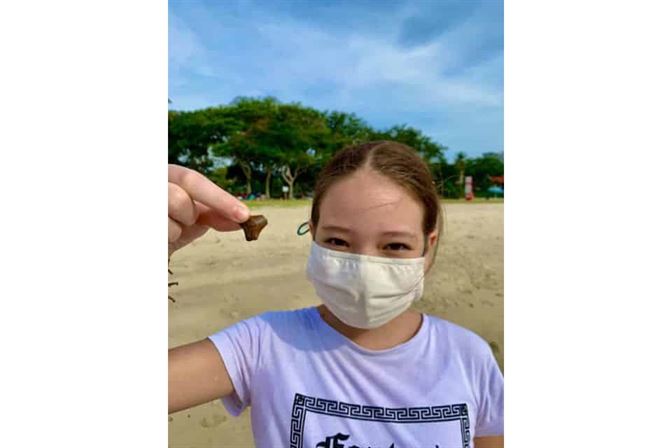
<point x="202" y="190"/>
<point x="174" y="231"/>
<point x="209" y="217"/>
<point x="180" y="206"/>
<point x="188" y="235"/>
<point x="191" y="233"/>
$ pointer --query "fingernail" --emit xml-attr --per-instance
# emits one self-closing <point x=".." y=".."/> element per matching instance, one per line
<point x="241" y="213"/>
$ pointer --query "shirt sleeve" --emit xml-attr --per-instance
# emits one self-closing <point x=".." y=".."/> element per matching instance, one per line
<point x="239" y="346"/>
<point x="490" y="417"/>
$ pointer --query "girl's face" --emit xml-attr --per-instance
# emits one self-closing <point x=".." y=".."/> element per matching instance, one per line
<point x="366" y="213"/>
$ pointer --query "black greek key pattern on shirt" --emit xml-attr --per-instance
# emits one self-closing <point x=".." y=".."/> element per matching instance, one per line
<point x="304" y="404"/>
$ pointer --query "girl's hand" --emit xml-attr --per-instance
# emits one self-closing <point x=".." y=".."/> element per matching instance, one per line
<point x="195" y="204"/>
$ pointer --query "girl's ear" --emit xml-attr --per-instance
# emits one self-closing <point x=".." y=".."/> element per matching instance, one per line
<point x="312" y="229"/>
<point x="432" y="239"/>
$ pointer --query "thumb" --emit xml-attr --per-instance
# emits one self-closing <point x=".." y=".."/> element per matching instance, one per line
<point x="211" y="218"/>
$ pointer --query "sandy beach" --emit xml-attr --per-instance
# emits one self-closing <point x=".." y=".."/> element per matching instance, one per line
<point x="224" y="279"/>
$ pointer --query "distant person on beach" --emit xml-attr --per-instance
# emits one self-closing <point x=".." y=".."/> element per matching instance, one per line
<point x="363" y="369"/>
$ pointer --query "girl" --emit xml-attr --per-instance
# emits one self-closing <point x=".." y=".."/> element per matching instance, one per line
<point x="363" y="369"/>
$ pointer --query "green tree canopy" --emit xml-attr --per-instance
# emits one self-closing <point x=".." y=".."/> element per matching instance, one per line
<point x="262" y="138"/>
<point x="431" y="151"/>
<point x="482" y="168"/>
<point x="248" y="142"/>
<point x="192" y="134"/>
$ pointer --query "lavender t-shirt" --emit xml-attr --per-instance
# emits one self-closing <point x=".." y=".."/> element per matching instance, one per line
<point x="310" y="386"/>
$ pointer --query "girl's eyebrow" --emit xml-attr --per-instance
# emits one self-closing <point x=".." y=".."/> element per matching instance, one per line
<point x="336" y="229"/>
<point x="390" y="233"/>
<point x="396" y="233"/>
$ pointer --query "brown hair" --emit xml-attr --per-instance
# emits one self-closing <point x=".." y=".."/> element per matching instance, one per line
<point x="398" y="162"/>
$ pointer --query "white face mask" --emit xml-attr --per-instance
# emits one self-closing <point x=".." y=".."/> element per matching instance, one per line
<point x="365" y="291"/>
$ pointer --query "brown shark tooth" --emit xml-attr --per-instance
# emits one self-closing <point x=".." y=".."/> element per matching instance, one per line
<point x="253" y="227"/>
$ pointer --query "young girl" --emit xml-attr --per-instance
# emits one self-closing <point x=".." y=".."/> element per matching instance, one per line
<point x="363" y="369"/>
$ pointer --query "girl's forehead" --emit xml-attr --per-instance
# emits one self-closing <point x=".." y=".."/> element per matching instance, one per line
<point x="370" y="199"/>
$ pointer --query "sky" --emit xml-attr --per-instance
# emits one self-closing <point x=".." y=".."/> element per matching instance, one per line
<point x="436" y="65"/>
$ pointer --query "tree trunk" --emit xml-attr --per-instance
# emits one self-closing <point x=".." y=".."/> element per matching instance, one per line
<point x="461" y="182"/>
<point x="269" y="171"/>
<point x="289" y="178"/>
<point x="247" y="171"/>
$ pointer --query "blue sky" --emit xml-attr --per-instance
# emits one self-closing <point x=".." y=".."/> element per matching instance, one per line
<point x="435" y="65"/>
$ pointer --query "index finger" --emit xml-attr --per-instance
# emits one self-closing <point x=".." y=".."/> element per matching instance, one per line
<point x="201" y="189"/>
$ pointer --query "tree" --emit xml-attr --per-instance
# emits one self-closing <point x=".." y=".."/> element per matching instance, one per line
<point x="482" y="168"/>
<point x="344" y="129"/>
<point x="300" y="134"/>
<point x="449" y="188"/>
<point x="249" y="144"/>
<point x="218" y="176"/>
<point x="191" y="135"/>
<point x="257" y="138"/>
<point x="461" y="165"/>
<point x="428" y="149"/>
<point x="186" y="141"/>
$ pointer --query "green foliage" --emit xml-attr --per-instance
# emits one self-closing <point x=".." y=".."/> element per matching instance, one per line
<point x="218" y="176"/>
<point x="192" y="134"/>
<point x="257" y="145"/>
<point x="446" y="177"/>
<point x="248" y="141"/>
<point x="303" y="136"/>
<point x="481" y="168"/>
<point x="345" y="129"/>
<point x="431" y="151"/>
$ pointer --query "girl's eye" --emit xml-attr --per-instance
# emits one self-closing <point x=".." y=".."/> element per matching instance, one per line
<point x="336" y="242"/>
<point x="397" y="246"/>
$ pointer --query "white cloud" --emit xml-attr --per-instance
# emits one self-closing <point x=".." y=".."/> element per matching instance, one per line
<point x="448" y="87"/>
<point x="186" y="52"/>
<point x="357" y="63"/>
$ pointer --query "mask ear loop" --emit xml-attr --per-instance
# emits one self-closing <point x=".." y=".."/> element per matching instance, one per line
<point x="422" y="277"/>
<point x="303" y="229"/>
<point x="417" y="282"/>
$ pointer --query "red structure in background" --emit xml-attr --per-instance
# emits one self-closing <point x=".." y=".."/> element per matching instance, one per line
<point x="497" y="180"/>
<point x="468" y="188"/>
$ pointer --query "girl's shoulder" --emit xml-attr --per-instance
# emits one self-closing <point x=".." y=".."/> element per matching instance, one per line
<point x="293" y="318"/>
<point x="288" y="324"/>
<point x="457" y="337"/>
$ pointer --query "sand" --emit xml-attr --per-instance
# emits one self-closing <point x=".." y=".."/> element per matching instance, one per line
<point x="223" y="279"/>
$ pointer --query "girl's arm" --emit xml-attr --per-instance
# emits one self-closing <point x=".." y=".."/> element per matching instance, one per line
<point x="489" y="442"/>
<point x="196" y="375"/>
<point x="196" y="372"/>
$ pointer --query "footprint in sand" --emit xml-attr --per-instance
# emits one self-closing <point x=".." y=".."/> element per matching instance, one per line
<point x="217" y="419"/>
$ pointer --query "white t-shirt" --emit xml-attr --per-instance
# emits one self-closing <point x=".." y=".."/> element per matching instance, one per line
<point x="311" y="387"/>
